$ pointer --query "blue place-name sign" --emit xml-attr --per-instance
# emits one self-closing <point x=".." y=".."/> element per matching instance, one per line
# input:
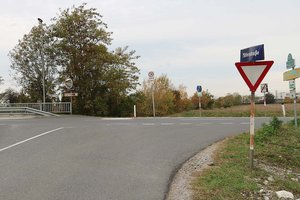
<point x="253" y="54"/>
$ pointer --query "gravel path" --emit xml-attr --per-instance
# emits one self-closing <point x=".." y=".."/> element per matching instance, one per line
<point x="180" y="188"/>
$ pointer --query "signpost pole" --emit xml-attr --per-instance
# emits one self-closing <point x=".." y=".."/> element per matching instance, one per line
<point x="295" y="112"/>
<point x="200" y="106"/>
<point x="265" y="104"/>
<point x="253" y="72"/>
<point x="295" y="106"/>
<point x="252" y="125"/>
<point x="153" y="104"/>
<point x="151" y="78"/>
<point x="199" y="91"/>
<point x="71" y="104"/>
<point x="291" y="76"/>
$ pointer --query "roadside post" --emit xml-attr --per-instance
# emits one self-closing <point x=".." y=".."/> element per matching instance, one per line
<point x="264" y="89"/>
<point x="134" y="111"/>
<point x="151" y="78"/>
<point x="69" y="85"/>
<point x="253" y="71"/>
<point x="283" y="109"/>
<point x="291" y="76"/>
<point x="199" y="92"/>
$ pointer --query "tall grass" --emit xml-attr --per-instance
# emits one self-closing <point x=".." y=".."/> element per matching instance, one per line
<point x="231" y="178"/>
<point x="241" y="111"/>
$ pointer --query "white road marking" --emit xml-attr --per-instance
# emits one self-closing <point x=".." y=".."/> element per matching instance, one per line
<point x="120" y="118"/>
<point x="34" y="137"/>
<point x="166" y="124"/>
<point x="185" y="123"/>
<point x="123" y="124"/>
<point x="229" y="123"/>
<point x="148" y="124"/>
<point x="204" y="124"/>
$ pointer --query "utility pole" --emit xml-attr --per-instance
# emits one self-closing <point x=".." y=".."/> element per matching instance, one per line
<point x="43" y="65"/>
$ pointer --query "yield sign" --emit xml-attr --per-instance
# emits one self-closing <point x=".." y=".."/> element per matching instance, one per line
<point x="253" y="72"/>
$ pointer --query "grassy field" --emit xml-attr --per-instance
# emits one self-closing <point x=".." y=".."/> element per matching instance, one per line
<point x="243" y="111"/>
<point x="277" y="166"/>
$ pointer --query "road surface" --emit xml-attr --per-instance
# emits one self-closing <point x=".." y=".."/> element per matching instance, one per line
<point x="89" y="158"/>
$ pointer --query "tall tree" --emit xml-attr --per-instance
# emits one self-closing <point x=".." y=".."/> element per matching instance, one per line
<point x="270" y="98"/>
<point x="207" y="100"/>
<point x="31" y="60"/>
<point x="1" y="80"/>
<point x="102" y="78"/>
<point x="163" y="96"/>
<point x="181" y="100"/>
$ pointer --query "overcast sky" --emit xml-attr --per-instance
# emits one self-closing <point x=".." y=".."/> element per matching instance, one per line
<point x="194" y="42"/>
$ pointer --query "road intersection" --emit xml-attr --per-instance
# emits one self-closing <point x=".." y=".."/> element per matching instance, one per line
<point x="77" y="157"/>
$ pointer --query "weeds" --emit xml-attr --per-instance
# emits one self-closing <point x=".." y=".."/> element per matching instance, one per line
<point x="276" y="145"/>
<point x="265" y="134"/>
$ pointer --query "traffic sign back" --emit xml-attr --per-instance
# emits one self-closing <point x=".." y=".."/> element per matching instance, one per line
<point x="253" y="72"/>
<point x="264" y="88"/>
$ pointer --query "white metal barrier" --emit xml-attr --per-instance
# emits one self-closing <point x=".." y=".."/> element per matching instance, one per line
<point x="57" y="107"/>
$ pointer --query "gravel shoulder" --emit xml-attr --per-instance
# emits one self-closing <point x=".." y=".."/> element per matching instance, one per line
<point x="180" y="188"/>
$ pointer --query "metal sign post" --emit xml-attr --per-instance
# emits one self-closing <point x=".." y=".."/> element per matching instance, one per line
<point x="253" y="73"/>
<point x="199" y="91"/>
<point x="151" y="78"/>
<point x="292" y="86"/>
<point x="295" y="112"/>
<point x="290" y="76"/>
<point x="200" y="106"/>
<point x="264" y="89"/>
<point x="69" y="85"/>
<point x="252" y="126"/>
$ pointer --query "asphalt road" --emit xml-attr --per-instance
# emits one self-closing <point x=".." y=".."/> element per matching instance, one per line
<point x="90" y="158"/>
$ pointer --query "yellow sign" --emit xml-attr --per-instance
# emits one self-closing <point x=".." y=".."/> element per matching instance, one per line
<point x="291" y="74"/>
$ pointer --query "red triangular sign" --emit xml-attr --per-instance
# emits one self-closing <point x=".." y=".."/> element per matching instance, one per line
<point x="253" y="72"/>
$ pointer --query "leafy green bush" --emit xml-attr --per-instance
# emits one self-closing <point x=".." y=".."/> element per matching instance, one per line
<point x="268" y="130"/>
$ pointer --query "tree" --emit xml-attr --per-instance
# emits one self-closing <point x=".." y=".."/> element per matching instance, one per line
<point x="270" y="98"/>
<point x="237" y="99"/>
<point x="29" y="57"/>
<point x="1" y="80"/>
<point x="229" y="100"/>
<point x="163" y="95"/>
<point x="102" y="79"/>
<point x="75" y="46"/>
<point x="10" y="96"/>
<point x="181" y="100"/>
<point x="207" y="100"/>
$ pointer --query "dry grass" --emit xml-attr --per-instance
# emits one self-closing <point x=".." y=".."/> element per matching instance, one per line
<point x="243" y="111"/>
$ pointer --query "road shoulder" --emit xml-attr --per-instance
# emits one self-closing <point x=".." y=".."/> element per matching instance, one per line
<point x="180" y="188"/>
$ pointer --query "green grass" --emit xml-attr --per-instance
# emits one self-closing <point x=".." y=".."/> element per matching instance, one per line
<point x="241" y="111"/>
<point x="231" y="177"/>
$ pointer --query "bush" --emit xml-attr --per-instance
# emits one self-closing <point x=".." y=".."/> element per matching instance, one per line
<point x="268" y="130"/>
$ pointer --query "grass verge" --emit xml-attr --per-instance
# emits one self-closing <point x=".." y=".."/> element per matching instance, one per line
<point x="277" y="166"/>
<point x="241" y="111"/>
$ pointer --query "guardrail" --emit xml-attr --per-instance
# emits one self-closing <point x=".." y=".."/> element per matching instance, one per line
<point x="24" y="110"/>
<point x="57" y="107"/>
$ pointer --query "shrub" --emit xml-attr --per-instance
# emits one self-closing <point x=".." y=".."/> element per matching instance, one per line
<point x="268" y="130"/>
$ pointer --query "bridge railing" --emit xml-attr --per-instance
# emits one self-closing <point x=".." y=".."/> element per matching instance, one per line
<point x="56" y="107"/>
